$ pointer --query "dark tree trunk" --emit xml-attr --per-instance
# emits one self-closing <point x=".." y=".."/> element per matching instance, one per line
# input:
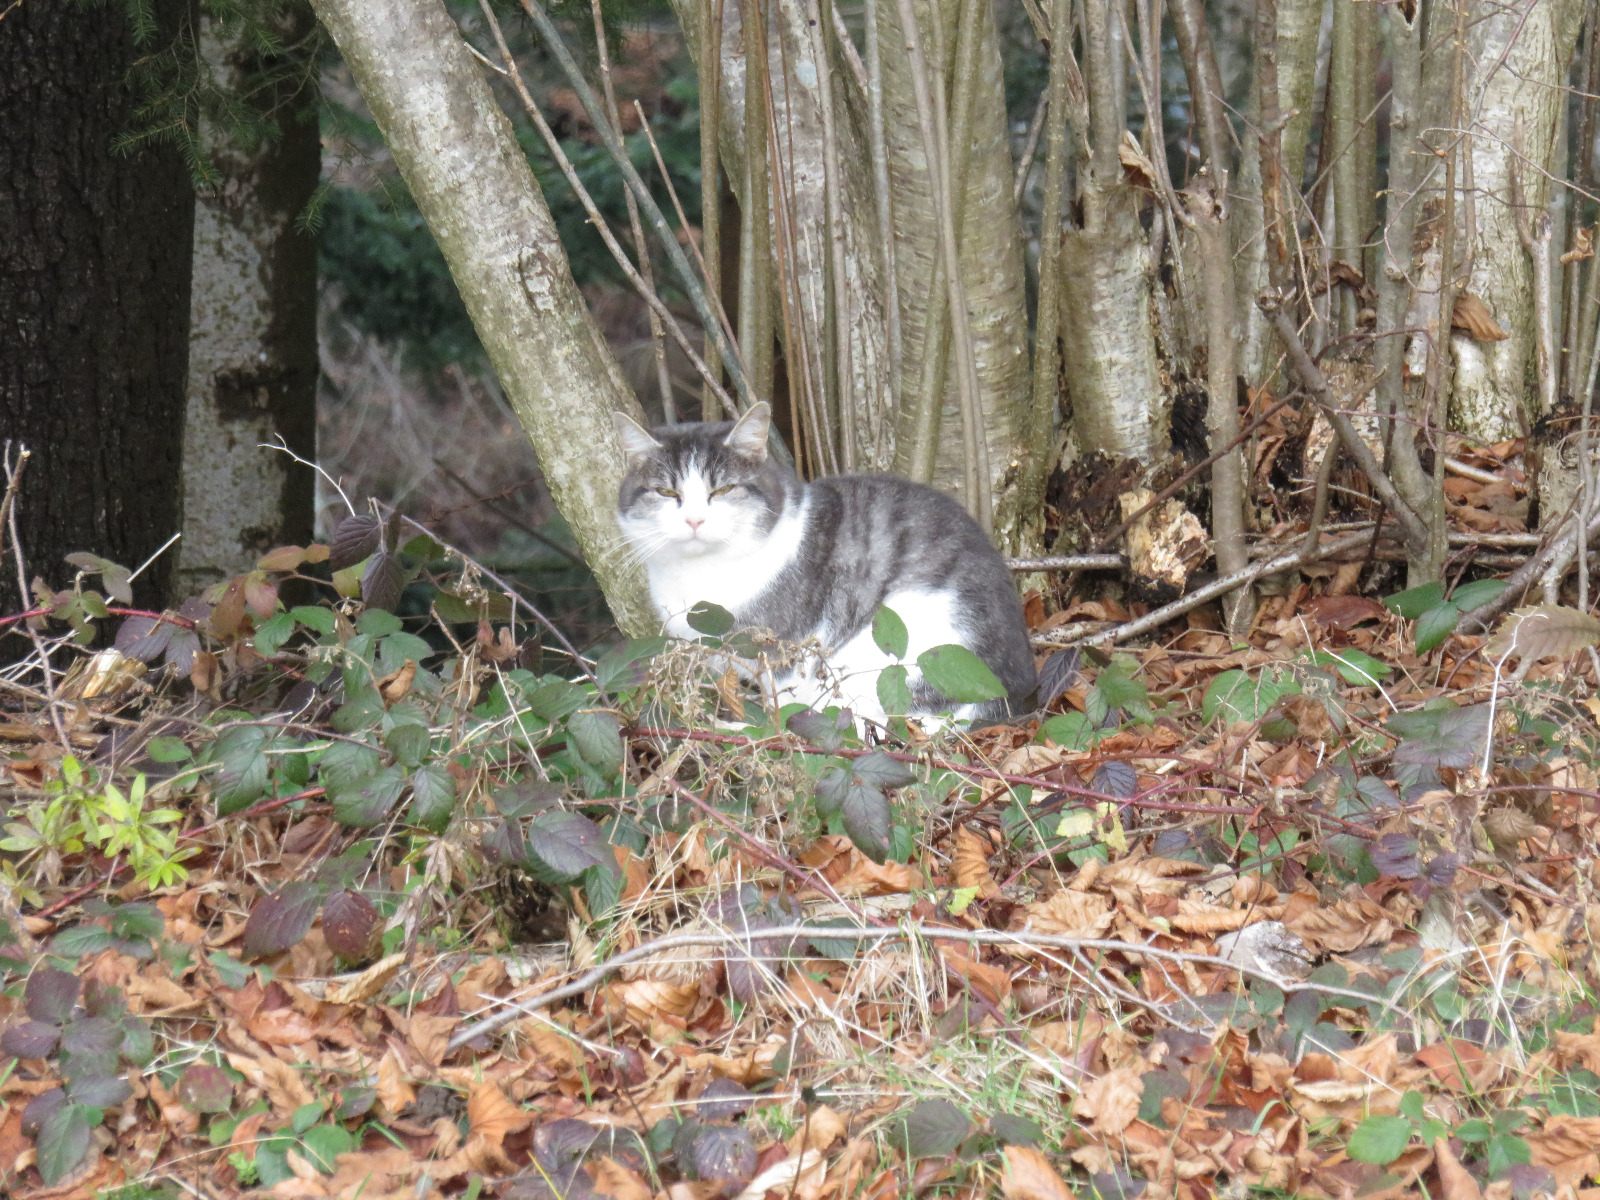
<point x="94" y="297"/>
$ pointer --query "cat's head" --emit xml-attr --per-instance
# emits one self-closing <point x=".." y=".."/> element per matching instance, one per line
<point x="701" y="487"/>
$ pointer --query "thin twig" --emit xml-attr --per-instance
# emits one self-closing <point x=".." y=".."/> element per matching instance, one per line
<point x="1316" y="385"/>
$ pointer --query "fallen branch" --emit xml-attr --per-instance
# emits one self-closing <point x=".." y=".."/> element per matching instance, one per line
<point x="737" y="939"/>
<point x="1218" y="587"/>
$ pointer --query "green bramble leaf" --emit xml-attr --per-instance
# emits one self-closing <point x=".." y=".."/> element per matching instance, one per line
<point x="889" y="632"/>
<point x="959" y="675"/>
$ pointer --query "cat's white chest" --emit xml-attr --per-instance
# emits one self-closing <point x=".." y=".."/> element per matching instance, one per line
<point x="730" y="576"/>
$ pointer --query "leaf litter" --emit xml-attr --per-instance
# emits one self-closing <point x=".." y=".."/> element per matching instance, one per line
<point x="1310" y="916"/>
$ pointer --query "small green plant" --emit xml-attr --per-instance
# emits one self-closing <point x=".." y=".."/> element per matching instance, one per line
<point x="81" y="813"/>
<point x="1437" y="617"/>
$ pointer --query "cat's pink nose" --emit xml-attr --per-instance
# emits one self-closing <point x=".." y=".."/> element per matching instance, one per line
<point x="694" y="523"/>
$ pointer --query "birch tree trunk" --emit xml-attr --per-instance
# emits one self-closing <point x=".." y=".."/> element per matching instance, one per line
<point x="456" y="151"/>
<point x="253" y="333"/>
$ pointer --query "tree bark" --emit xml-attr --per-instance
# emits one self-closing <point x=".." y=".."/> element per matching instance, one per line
<point x="94" y="296"/>
<point x="1517" y="60"/>
<point x="253" y="345"/>
<point x="458" y="155"/>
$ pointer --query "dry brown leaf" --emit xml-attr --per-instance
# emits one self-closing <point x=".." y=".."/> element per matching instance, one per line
<point x="1196" y="917"/>
<point x="1111" y="1101"/>
<point x="394" y="686"/>
<point x="1071" y="914"/>
<point x="1568" y="1147"/>
<point x="394" y="1090"/>
<point x="490" y="1115"/>
<point x="1140" y="170"/>
<point x="647" y="1000"/>
<point x="969" y="864"/>
<point x="369" y="983"/>
<point x="1029" y="1176"/>
<point x="991" y="982"/>
<point x="1455" y="1181"/>
<point x="1473" y="316"/>
<point x="278" y="1081"/>
<point x="1345" y="925"/>
<point x="613" y="1179"/>
<point x="1582" y="246"/>
<point x="1544" y="631"/>
<point x="1460" y="1066"/>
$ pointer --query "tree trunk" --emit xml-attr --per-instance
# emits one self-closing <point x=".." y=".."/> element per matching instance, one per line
<point x="94" y="296"/>
<point x="1516" y="64"/>
<point x="471" y="180"/>
<point x="253" y="347"/>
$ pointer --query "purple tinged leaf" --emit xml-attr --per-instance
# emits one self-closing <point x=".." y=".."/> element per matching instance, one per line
<point x="1116" y="778"/>
<point x="351" y="925"/>
<point x="724" y="1099"/>
<point x="722" y="1154"/>
<point x="1395" y="855"/>
<point x="50" y="995"/>
<point x="92" y="1038"/>
<point x="100" y="1091"/>
<point x="181" y="649"/>
<point x="933" y="1129"/>
<point x="1056" y="676"/>
<point x="1441" y="869"/>
<point x="356" y="537"/>
<point x="278" y="922"/>
<point x="144" y="638"/>
<point x="879" y="770"/>
<point x="383" y="581"/>
<point x="866" y="817"/>
<point x="203" y="1088"/>
<point x="31" y="1039"/>
<point x="562" y="845"/>
<point x="40" y="1107"/>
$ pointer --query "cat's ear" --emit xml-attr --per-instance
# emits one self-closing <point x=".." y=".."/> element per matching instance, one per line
<point x="748" y="437"/>
<point x="636" y="440"/>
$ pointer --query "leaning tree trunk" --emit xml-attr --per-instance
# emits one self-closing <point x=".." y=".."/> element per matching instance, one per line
<point x="253" y="349"/>
<point x="94" y="296"/>
<point x="472" y="183"/>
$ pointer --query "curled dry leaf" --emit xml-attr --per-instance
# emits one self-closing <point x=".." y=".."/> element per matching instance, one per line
<point x="647" y="1000"/>
<point x="1582" y="245"/>
<point x="1344" y="925"/>
<point x="1544" y="631"/>
<point x="1029" y="1176"/>
<point x="358" y="989"/>
<point x="1472" y="316"/>
<point x="969" y="867"/>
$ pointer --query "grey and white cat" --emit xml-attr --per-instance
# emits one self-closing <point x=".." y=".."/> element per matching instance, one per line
<point x="715" y="519"/>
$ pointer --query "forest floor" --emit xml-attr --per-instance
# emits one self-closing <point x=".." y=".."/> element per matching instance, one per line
<point x="308" y="899"/>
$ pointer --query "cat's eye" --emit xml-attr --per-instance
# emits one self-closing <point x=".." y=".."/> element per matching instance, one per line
<point x="669" y="493"/>
<point x="726" y="489"/>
